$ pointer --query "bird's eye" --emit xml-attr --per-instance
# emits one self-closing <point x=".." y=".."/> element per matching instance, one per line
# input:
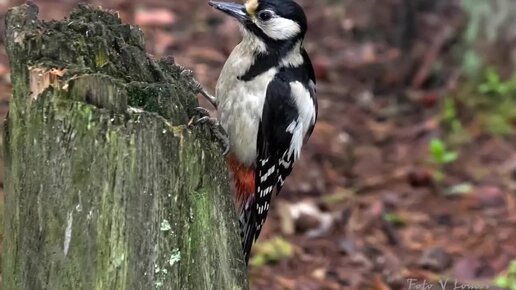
<point x="265" y="15"/>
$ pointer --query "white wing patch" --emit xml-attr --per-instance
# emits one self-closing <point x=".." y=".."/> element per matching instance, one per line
<point x="306" y="110"/>
<point x="304" y="103"/>
<point x="283" y="161"/>
<point x="296" y="128"/>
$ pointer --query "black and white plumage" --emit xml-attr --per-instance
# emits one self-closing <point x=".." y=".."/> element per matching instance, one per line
<point x="266" y="102"/>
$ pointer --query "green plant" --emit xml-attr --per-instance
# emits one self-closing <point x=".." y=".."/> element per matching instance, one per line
<point x="488" y="105"/>
<point x="496" y="103"/>
<point x="451" y="122"/>
<point x="495" y="86"/>
<point x="449" y="117"/>
<point x="507" y="280"/>
<point x="395" y="219"/>
<point x="271" y="251"/>
<point x="440" y="156"/>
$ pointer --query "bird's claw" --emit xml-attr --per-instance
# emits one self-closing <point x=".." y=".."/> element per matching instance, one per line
<point x="192" y="82"/>
<point x="223" y="138"/>
<point x="197" y="88"/>
<point x="219" y="132"/>
<point x="216" y="128"/>
<point x="203" y="115"/>
<point x="202" y="112"/>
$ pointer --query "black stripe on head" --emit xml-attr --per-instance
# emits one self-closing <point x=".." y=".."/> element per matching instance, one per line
<point x="276" y="49"/>
<point x="286" y="9"/>
<point x="282" y="8"/>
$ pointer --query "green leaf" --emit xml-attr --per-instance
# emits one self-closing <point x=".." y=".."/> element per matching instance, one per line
<point x="492" y="77"/>
<point x="450" y="157"/>
<point x="440" y="155"/>
<point x="437" y="149"/>
<point x="395" y="219"/>
<point x="507" y="280"/>
<point x="271" y="251"/>
<point x="512" y="268"/>
<point x="502" y="282"/>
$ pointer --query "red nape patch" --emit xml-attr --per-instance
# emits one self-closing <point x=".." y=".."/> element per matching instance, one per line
<point x="243" y="178"/>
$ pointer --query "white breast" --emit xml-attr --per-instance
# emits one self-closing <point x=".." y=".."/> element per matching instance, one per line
<point x="240" y="103"/>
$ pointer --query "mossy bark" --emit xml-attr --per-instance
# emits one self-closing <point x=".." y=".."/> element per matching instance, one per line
<point x="106" y="186"/>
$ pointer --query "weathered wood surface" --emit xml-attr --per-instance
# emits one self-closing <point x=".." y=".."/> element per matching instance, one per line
<point x="99" y="195"/>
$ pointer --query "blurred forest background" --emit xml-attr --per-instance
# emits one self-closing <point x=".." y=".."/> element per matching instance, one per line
<point x="411" y="170"/>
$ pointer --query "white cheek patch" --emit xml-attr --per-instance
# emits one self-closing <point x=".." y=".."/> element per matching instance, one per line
<point x="280" y="28"/>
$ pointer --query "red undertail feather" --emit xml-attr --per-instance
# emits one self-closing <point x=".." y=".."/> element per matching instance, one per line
<point x="243" y="178"/>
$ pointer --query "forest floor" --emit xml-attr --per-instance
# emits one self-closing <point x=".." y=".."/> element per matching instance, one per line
<point x="371" y="204"/>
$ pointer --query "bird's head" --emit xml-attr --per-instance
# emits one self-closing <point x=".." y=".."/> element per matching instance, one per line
<point x="273" y="21"/>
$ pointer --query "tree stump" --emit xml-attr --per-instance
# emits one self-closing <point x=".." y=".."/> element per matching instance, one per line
<point x="106" y="185"/>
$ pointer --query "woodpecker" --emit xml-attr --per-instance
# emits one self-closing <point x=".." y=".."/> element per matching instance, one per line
<point x="266" y="103"/>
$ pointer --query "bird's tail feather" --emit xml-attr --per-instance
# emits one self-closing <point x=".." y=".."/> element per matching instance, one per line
<point x="247" y="221"/>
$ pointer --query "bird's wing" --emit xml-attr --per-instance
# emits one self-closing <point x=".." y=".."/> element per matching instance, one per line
<point x="311" y="87"/>
<point x="273" y="143"/>
<point x="306" y="75"/>
<point x="288" y="118"/>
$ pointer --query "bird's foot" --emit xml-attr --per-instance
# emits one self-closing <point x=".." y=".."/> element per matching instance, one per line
<point x="203" y="118"/>
<point x="197" y="88"/>
<point x="200" y="113"/>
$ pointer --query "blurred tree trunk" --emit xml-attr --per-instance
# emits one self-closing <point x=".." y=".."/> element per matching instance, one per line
<point x="490" y="35"/>
<point x="100" y="195"/>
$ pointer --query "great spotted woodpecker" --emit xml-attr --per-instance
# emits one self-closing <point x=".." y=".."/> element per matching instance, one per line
<point x="265" y="98"/>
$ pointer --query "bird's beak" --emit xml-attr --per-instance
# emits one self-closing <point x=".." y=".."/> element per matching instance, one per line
<point x="235" y="10"/>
